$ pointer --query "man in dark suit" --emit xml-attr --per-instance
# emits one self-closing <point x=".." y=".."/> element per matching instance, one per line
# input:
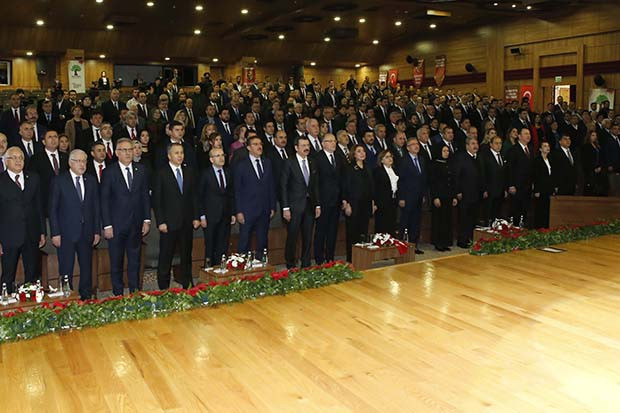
<point x="612" y="150"/>
<point x="129" y="129"/>
<point x="176" y="206"/>
<point x="470" y="189"/>
<point x="255" y="197"/>
<point x="48" y="164"/>
<point x="520" y="176"/>
<point x="412" y="186"/>
<point x="75" y="220"/>
<point x="225" y="128"/>
<point x="48" y="118"/>
<point x="369" y="146"/>
<point x="22" y="224"/>
<point x="62" y="109"/>
<point x="278" y="153"/>
<point x="126" y="214"/>
<point x="11" y="118"/>
<point x="112" y="108"/>
<point x="521" y="121"/>
<point x="93" y="134"/>
<point x="177" y="131"/>
<point x="564" y="167"/>
<point x="494" y="171"/>
<point x="300" y="202"/>
<point x="329" y="167"/>
<point x="97" y="162"/>
<point x="217" y="204"/>
<point x="25" y="141"/>
<point x="38" y="129"/>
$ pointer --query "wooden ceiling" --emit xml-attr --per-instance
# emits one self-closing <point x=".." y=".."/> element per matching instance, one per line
<point x="144" y="34"/>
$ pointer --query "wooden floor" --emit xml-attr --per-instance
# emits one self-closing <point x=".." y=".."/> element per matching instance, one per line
<point x="522" y="332"/>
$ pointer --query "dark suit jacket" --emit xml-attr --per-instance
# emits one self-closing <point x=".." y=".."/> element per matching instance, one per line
<point x="63" y="110"/>
<point x="41" y="165"/>
<point x="371" y="158"/>
<point x="36" y="148"/>
<point x="22" y="218"/>
<point x="54" y="124"/>
<point x="227" y="138"/>
<point x="8" y="125"/>
<point x="161" y="154"/>
<point x="110" y="113"/>
<point x="520" y="170"/>
<point x="330" y="179"/>
<point x="495" y="175"/>
<point x="544" y="182"/>
<point x="412" y="184"/>
<point x="564" y="174"/>
<point x="468" y="177"/>
<point x="120" y="207"/>
<point x="295" y="193"/>
<point x="254" y="196"/>
<point x="277" y="164"/>
<point x="611" y="153"/>
<point x="120" y="131"/>
<point x="216" y="204"/>
<point x="383" y="188"/>
<point x="172" y="207"/>
<point x="69" y="217"/>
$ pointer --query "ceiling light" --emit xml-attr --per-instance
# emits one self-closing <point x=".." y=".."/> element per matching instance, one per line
<point x="199" y="7"/>
<point x="40" y="22"/>
<point x="432" y="26"/>
<point x="362" y="20"/>
<point x="28" y="53"/>
<point x="496" y="4"/>
<point x="375" y="41"/>
<point x="101" y="56"/>
<point x="514" y="6"/>
<point x="357" y="65"/>
<point x="166" y="58"/>
<point x="337" y="18"/>
<point x="197" y="31"/>
<point x="529" y="7"/>
<point x="398" y="23"/>
<point x="110" y="27"/>
<point x="312" y="63"/>
<point x="255" y="61"/>
<point x="98" y="1"/>
<point x="281" y="37"/>
<point x="327" y="39"/>
<point x="150" y="4"/>
<point x="215" y="59"/>
<point x="244" y="11"/>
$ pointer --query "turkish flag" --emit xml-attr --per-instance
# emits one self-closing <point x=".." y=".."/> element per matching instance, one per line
<point x="440" y="69"/>
<point x="527" y="91"/>
<point x="418" y="74"/>
<point x="393" y="77"/>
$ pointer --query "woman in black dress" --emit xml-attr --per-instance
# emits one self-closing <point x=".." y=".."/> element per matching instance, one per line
<point x="386" y="183"/>
<point x="594" y="174"/>
<point x="358" y="192"/>
<point x="443" y="198"/>
<point x="544" y="186"/>
<point x="104" y="82"/>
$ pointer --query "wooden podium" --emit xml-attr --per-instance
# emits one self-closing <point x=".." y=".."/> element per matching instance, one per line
<point x="363" y="257"/>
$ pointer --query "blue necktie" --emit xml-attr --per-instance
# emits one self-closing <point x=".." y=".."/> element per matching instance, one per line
<point x="180" y="180"/>
<point x="304" y="169"/>
<point x="417" y="165"/>
<point x="260" y="169"/>
<point x="79" y="188"/>
<point x="1" y="165"/>
<point x="129" y="178"/>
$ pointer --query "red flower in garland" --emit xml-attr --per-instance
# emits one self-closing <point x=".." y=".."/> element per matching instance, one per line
<point x="477" y="246"/>
<point x="9" y="314"/>
<point x="176" y="290"/>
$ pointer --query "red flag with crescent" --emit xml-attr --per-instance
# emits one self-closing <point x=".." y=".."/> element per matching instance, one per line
<point x="527" y="91"/>
<point x="440" y="69"/>
<point x="393" y="77"/>
<point x="249" y="75"/>
<point x="418" y="74"/>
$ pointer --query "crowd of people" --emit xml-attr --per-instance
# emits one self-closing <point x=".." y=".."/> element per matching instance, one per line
<point x="226" y="153"/>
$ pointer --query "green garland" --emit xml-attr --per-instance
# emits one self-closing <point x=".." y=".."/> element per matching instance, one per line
<point x="513" y="239"/>
<point x="93" y="313"/>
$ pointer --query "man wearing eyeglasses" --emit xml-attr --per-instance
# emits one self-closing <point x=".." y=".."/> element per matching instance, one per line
<point x="22" y="225"/>
<point x="126" y="212"/>
<point x="75" y="220"/>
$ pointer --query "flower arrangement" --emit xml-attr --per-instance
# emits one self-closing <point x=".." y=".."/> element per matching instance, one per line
<point x="510" y="238"/>
<point x="386" y="240"/>
<point x="47" y="318"/>
<point x="236" y="262"/>
<point x="30" y="292"/>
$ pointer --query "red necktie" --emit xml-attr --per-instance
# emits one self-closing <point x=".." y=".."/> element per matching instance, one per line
<point x="133" y="134"/>
<point x="55" y="164"/>
<point x="100" y="171"/>
<point x="17" y="182"/>
<point x="109" y="150"/>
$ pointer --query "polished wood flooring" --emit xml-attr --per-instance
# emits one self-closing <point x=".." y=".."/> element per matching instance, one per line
<point x="521" y="332"/>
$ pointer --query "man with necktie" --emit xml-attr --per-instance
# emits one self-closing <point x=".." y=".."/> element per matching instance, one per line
<point x="217" y="206"/>
<point x="11" y="119"/>
<point x="177" y="210"/>
<point x="22" y="224"/>
<point x="4" y="144"/>
<point x="25" y="141"/>
<point x="126" y="215"/>
<point x="300" y="201"/>
<point x="565" y="167"/>
<point x="412" y="186"/>
<point x="520" y="161"/>
<point x="255" y="196"/>
<point x="75" y="220"/>
<point x="112" y="108"/>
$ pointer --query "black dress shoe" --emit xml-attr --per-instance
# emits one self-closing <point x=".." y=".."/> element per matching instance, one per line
<point x="447" y="249"/>
<point x="419" y="252"/>
<point x="439" y="249"/>
<point x="461" y="245"/>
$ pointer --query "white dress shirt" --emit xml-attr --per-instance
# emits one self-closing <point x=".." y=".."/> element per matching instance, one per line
<point x="21" y="178"/>
<point x="49" y="156"/>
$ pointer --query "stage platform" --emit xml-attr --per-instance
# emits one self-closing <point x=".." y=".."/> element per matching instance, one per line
<point x="522" y="332"/>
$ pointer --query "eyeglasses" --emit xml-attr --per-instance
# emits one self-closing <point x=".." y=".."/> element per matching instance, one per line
<point x="15" y="158"/>
<point x="124" y="149"/>
<point x="80" y="161"/>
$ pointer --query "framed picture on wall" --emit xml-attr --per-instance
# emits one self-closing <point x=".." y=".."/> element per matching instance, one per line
<point x="5" y="72"/>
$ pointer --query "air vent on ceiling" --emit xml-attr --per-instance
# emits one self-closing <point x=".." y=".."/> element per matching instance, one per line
<point x="307" y="18"/>
<point x="342" y="33"/>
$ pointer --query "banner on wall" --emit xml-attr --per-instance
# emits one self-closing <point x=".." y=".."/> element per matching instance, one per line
<point x="440" y="69"/>
<point x="511" y="93"/>
<point x="601" y="95"/>
<point x="418" y="74"/>
<point x="393" y="77"/>
<point x="382" y="77"/>
<point x="249" y="75"/>
<point x="527" y="91"/>
<point x="76" y="76"/>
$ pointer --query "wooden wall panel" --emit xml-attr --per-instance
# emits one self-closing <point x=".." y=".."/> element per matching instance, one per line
<point x="23" y="73"/>
<point x="94" y="67"/>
